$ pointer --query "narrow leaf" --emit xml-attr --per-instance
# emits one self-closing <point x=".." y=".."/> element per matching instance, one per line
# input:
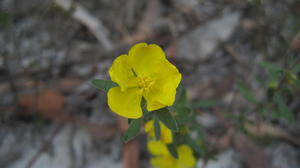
<point x="181" y="97"/>
<point x="245" y="92"/>
<point x="296" y="69"/>
<point x="5" y="18"/>
<point x="157" y="129"/>
<point x="204" y="104"/>
<point x="271" y="66"/>
<point x="193" y="144"/>
<point x="279" y="100"/>
<point x="133" y="130"/>
<point x="166" y="117"/>
<point x="183" y="116"/>
<point x="172" y="149"/>
<point x="105" y="85"/>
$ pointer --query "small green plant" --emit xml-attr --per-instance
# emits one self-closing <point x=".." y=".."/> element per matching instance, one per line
<point x="5" y="18"/>
<point x="145" y="88"/>
<point x="280" y="84"/>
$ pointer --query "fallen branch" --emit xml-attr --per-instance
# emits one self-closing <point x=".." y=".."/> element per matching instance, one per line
<point x="264" y="129"/>
<point x="146" y="26"/>
<point x="80" y="14"/>
<point x="45" y="145"/>
<point x="130" y="149"/>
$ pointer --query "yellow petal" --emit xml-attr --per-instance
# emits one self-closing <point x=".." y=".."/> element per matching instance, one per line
<point x="125" y="103"/>
<point x="145" y="59"/>
<point x="121" y="73"/>
<point x="165" y="161"/>
<point x="149" y="128"/>
<point x="185" y="157"/>
<point x="157" y="148"/>
<point x="165" y="133"/>
<point x="163" y="92"/>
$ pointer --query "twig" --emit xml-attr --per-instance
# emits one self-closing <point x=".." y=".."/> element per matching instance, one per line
<point x="146" y="26"/>
<point x="130" y="149"/>
<point x="83" y="16"/>
<point x="45" y="145"/>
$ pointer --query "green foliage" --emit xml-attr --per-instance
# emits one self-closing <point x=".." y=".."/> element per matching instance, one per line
<point x="181" y="107"/>
<point x="283" y="111"/>
<point x="205" y="104"/>
<point x="281" y="85"/>
<point x="270" y="66"/>
<point x="5" y="18"/>
<point x="133" y="130"/>
<point x="246" y="92"/>
<point x="58" y="10"/>
<point x="172" y="150"/>
<point x="156" y="128"/>
<point x="296" y="69"/>
<point x="166" y="117"/>
<point x="104" y="85"/>
<point x="192" y="143"/>
<point x="181" y="97"/>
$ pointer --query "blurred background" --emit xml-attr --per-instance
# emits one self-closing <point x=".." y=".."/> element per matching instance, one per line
<point x="229" y="52"/>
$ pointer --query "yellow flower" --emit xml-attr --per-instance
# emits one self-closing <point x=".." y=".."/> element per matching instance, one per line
<point x="165" y="133"/>
<point x="144" y="72"/>
<point x="163" y="159"/>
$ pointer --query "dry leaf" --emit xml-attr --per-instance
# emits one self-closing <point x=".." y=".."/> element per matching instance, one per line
<point x="49" y="103"/>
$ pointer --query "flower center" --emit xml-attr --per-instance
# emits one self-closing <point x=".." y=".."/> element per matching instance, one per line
<point x="145" y="83"/>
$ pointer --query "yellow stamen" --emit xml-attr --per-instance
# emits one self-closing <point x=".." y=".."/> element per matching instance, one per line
<point x="145" y="83"/>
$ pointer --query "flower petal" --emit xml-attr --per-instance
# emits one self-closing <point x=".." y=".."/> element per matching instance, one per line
<point x="125" y="103"/>
<point x="186" y="157"/>
<point x="121" y="73"/>
<point x="145" y="59"/>
<point x="166" y="135"/>
<point x="166" y="161"/>
<point x="149" y="128"/>
<point x="163" y="92"/>
<point x="157" y="148"/>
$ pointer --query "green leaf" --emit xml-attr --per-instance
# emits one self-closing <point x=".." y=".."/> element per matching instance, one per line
<point x="105" y="85"/>
<point x="274" y="76"/>
<point x="129" y="120"/>
<point x="204" y="103"/>
<point x="264" y="111"/>
<point x="271" y="66"/>
<point x="280" y="101"/>
<point x="172" y="149"/>
<point x="193" y="144"/>
<point x="245" y="92"/>
<point x="181" y="97"/>
<point x="296" y="69"/>
<point x="297" y="83"/>
<point x="157" y="130"/>
<point x="5" y="18"/>
<point x="133" y="130"/>
<point x="183" y="116"/>
<point x="166" y="117"/>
